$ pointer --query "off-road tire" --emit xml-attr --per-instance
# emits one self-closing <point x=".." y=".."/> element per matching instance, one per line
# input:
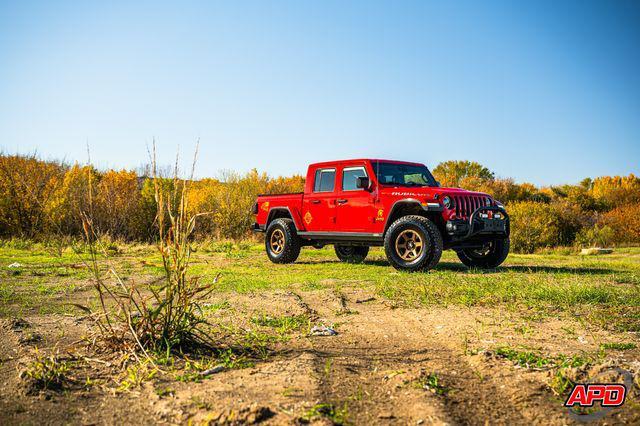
<point x="351" y="254"/>
<point x="497" y="253"/>
<point x="291" y="249"/>
<point x="428" y="232"/>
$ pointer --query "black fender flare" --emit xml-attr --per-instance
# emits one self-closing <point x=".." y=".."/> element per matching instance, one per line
<point x="427" y="207"/>
<point x="274" y="210"/>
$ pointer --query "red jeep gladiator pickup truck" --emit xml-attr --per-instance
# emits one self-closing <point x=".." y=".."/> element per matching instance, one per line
<point x="355" y="204"/>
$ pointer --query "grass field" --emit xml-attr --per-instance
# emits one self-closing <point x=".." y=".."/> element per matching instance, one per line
<point x="535" y="325"/>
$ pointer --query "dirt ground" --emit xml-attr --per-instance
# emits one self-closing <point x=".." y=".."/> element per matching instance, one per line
<point x="387" y="365"/>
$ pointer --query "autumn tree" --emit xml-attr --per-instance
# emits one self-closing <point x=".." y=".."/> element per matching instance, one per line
<point x="26" y="187"/>
<point x="118" y="205"/>
<point x="453" y="173"/>
<point x="72" y="198"/>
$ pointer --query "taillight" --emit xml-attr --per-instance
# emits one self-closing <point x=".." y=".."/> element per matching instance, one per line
<point x="255" y="208"/>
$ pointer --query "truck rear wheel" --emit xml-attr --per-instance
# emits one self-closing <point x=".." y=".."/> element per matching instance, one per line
<point x="351" y="254"/>
<point x="490" y="256"/>
<point x="413" y="243"/>
<point x="282" y="241"/>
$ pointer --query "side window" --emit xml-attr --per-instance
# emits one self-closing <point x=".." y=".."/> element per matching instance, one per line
<point x="350" y="176"/>
<point x="325" y="180"/>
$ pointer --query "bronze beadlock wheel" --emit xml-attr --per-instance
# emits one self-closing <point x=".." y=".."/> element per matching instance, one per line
<point x="413" y="243"/>
<point x="277" y="241"/>
<point x="409" y="245"/>
<point x="282" y="241"/>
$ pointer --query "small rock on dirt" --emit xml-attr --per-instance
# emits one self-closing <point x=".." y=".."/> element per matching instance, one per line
<point x="322" y="330"/>
<point x="15" y="265"/>
<point x="217" y="369"/>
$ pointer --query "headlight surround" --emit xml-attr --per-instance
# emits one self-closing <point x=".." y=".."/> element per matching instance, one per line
<point x="447" y="202"/>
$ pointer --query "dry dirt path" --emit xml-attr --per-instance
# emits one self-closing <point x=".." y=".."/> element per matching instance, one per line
<point x="371" y="373"/>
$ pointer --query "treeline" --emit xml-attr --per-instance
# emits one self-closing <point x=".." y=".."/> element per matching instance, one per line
<point x="40" y="199"/>
<point x="44" y="199"/>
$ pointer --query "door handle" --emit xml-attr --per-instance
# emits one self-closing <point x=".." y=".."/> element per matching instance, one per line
<point x="341" y="200"/>
<point x="315" y="201"/>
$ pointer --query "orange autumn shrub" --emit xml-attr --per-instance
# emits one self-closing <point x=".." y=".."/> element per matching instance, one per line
<point x="625" y="222"/>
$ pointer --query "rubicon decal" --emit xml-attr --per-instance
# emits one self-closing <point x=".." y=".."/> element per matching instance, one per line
<point x="265" y="206"/>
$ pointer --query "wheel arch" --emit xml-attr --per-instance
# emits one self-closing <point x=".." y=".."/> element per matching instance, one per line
<point x="280" y="213"/>
<point x="411" y="206"/>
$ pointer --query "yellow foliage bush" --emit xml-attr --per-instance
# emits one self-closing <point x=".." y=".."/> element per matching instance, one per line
<point x="616" y="190"/>
<point x="533" y="225"/>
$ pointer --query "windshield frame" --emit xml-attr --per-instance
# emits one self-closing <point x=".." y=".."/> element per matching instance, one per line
<point x="431" y="180"/>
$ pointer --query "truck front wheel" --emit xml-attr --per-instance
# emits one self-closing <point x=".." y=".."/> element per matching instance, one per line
<point x="488" y="257"/>
<point x="413" y="243"/>
<point x="282" y="241"/>
<point x="351" y="254"/>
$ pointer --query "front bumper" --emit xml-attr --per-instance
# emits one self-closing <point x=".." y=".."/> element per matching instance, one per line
<point x="487" y="221"/>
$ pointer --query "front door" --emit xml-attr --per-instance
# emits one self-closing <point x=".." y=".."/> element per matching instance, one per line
<point x="355" y="205"/>
<point x="319" y="207"/>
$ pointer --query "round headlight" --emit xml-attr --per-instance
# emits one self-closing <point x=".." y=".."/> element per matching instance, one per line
<point x="447" y="202"/>
<point x="487" y="201"/>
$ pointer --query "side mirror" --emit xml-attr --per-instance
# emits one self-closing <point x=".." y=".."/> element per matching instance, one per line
<point x="362" y="182"/>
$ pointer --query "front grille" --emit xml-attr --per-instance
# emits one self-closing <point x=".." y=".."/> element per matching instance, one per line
<point x="467" y="204"/>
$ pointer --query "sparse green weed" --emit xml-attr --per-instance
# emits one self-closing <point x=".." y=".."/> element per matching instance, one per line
<point x="337" y="415"/>
<point x="136" y="374"/>
<point x="432" y="383"/>
<point x="619" y="346"/>
<point x="47" y="372"/>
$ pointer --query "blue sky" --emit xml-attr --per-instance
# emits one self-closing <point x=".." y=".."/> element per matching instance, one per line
<point x="545" y="92"/>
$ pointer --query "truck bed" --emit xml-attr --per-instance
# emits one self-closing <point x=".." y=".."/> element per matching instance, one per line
<point x="291" y="202"/>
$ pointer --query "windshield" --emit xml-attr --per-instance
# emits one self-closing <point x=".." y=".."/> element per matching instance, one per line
<point x="403" y="174"/>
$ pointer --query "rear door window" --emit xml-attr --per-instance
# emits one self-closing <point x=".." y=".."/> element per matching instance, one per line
<point x="325" y="180"/>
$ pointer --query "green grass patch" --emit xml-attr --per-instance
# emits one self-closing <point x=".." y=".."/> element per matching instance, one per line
<point x="619" y="346"/>
<point x="283" y="324"/>
<point x="605" y="288"/>
<point x="530" y="359"/>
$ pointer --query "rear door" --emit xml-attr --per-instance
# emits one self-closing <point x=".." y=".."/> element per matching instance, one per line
<point x="319" y="206"/>
<point x="355" y="206"/>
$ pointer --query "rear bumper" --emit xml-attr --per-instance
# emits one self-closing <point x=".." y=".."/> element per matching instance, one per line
<point x="257" y="227"/>
<point x="484" y="221"/>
